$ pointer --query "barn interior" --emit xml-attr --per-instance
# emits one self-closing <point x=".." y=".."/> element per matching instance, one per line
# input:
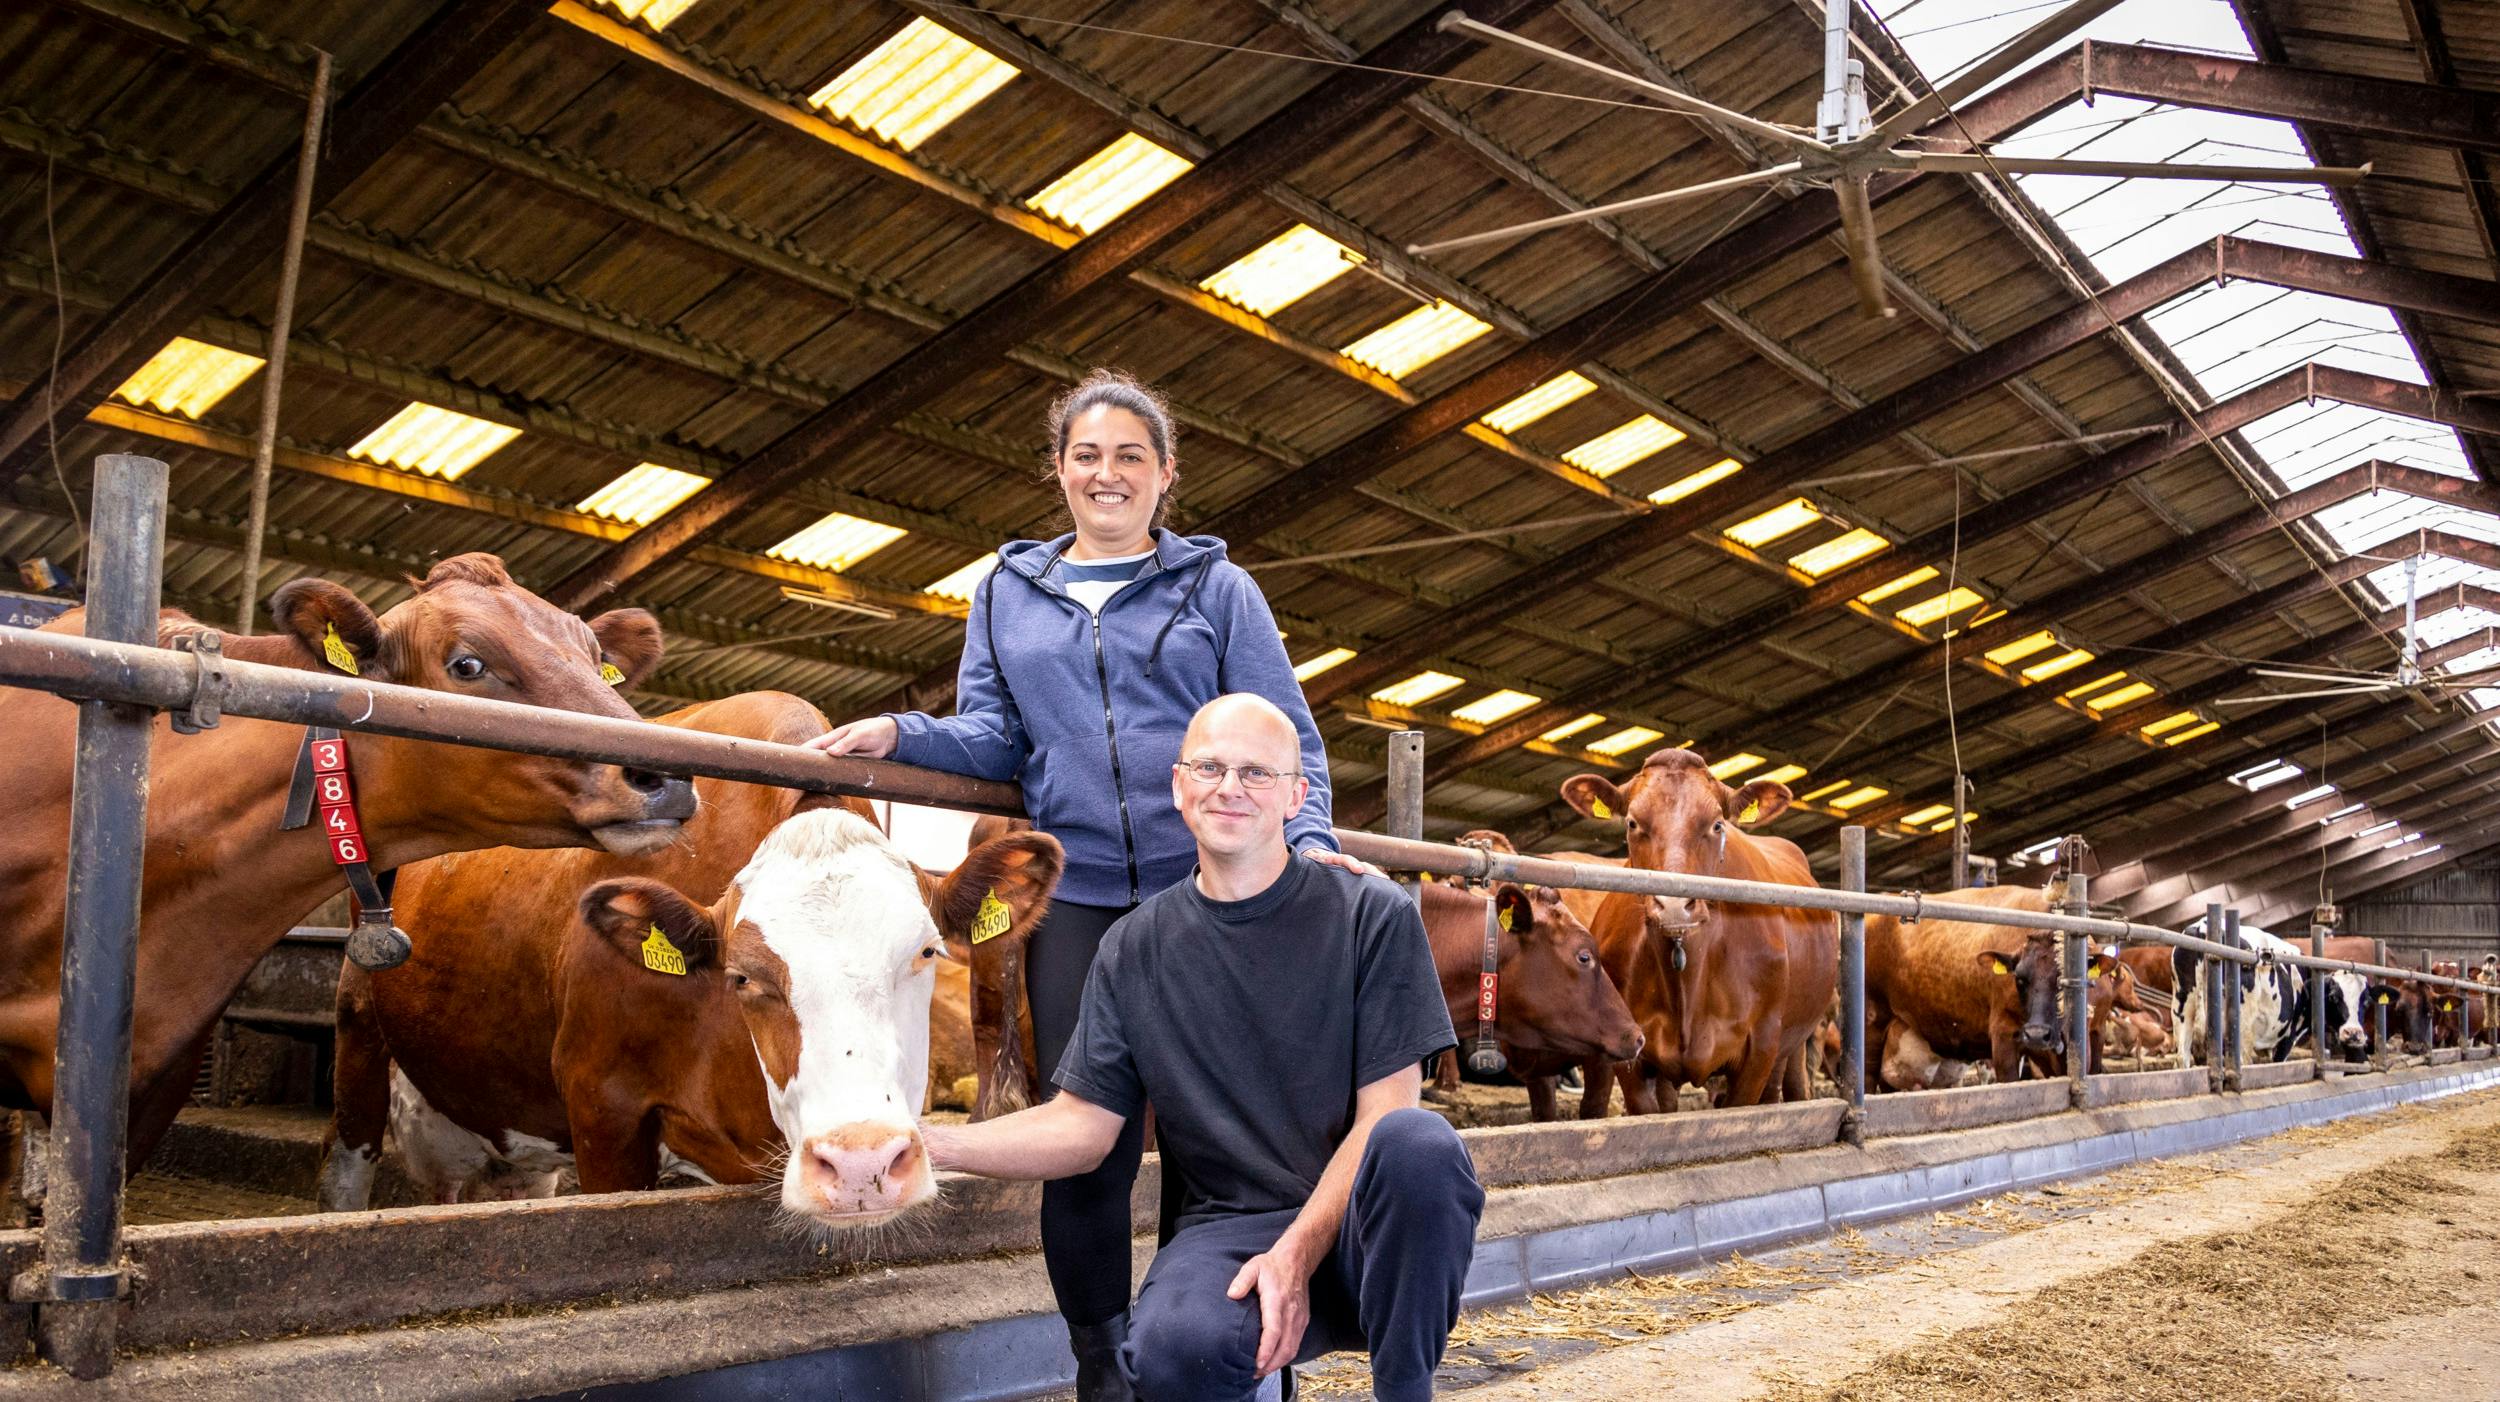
<point x="748" y="312"/>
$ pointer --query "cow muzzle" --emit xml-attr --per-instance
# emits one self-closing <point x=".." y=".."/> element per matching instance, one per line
<point x="860" y="1175"/>
<point x="2043" y="1037"/>
<point x="638" y="812"/>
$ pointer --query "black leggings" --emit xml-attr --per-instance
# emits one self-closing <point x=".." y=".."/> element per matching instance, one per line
<point x="1085" y="1219"/>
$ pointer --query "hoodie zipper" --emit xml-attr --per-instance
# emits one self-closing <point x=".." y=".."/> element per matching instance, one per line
<point x="1111" y="733"/>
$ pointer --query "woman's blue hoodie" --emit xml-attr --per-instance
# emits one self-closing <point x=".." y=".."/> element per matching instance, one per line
<point x="1088" y="712"/>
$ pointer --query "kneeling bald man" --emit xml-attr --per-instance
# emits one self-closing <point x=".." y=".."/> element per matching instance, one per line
<point x="1275" y="1012"/>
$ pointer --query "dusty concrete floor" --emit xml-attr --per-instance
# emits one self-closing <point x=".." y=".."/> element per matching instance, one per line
<point x="2186" y="1278"/>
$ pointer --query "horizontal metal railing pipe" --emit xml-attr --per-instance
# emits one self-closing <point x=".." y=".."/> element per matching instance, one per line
<point x="71" y="665"/>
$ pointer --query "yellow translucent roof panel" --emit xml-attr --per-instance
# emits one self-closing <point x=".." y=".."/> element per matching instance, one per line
<point x="644" y="494"/>
<point x="1947" y="824"/>
<point x="1785" y="774"/>
<point x="1570" y="728"/>
<point x="1928" y="814"/>
<point x="436" y="442"/>
<point x="2105" y="679"/>
<point x="1944" y="605"/>
<point x="1858" y="797"/>
<point x="1500" y="706"/>
<point x="1415" y="340"/>
<point x="1911" y="580"/>
<point x="1565" y="388"/>
<point x="1692" y="482"/>
<point x="1417" y="689"/>
<point x="1322" y="663"/>
<point x="959" y="584"/>
<point x="659" y="14"/>
<point x="1734" y="765"/>
<point x="2064" y="662"/>
<point x="836" y="542"/>
<point x="2110" y="701"/>
<point x="2168" y="723"/>
<point x="1105" y="184"/>
<point x="1282" y="271"/>
<point x="2021" y="648"/>
<point x="2184" y="736"/>
<point x="1787" y="518"/>
<point x="909" y="87"/>
<point x="1833" y="787"/>
<point x="189" y="377"/>
<point x="1839" y="552"/>
<point x="1628" y="738"/>
<point x="1620" y="447"/>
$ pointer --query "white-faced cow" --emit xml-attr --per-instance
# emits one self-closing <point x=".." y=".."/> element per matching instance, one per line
<point x="2274" y="996"/>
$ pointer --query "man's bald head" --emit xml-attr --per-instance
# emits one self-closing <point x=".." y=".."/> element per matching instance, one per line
<point x="1243" y="718"/>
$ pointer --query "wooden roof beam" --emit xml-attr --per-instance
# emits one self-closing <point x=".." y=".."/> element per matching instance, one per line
<point x="426" y="68"/>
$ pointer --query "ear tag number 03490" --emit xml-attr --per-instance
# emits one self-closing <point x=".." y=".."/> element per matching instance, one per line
<point x="335" y="651"/>
<point x="992" y="919"/>
<point x="661" y="957"/>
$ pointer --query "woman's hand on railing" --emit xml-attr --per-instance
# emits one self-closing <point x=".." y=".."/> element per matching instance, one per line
<point x="872" y="738"/>
<point x="1339" y="859"/>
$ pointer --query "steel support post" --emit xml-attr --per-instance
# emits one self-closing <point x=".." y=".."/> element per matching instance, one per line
<point x="2213" y="968"/>
<point x="2317" y="1001"/>
<point x="78" y="1287"/>
<point x="1406" y="793"/>
<point x="2378" y="1012"/>
<point x="1853" y="989"/>
<point x="2078" y="952"/>
<point x="2235" y="1055"/>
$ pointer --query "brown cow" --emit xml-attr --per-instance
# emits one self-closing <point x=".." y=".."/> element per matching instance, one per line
<point x="1940" y="990"/>
<point x="1719" y="990"/>
<point x="1583" y="902"/>
<point x="223" y="883"/>
<point x="1553" y="1001"/>
<point x="1008" y="1073"/>
<point x="468" y="1027"/>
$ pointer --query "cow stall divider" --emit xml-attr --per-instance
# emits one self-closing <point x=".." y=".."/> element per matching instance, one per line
<point x="78" y="1288"/>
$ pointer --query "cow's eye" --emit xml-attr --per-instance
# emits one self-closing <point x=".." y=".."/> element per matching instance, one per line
<point x="1586" y="959"/>
<point x="738" y="980"/>
<point x="468" y="668"/>
<point x="928" y="951"/>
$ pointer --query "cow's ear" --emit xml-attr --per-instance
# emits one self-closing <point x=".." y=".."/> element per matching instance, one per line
<point x="332" y="624"/>
<point x="1758" y="802"/>
<point x="1001" y="887"/>
<point x="652" y="924"/>
<point x="1991" y="962"/>
<point x="1512" y="909"/>
<point x="2101" y="966"/>
<point x="1593" y="796"/>
<point x="629" y="641"/>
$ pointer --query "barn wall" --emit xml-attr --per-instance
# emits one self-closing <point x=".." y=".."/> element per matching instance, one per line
<point x="2453" y="913"/>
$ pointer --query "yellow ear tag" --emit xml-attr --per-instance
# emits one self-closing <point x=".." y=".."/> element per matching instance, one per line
<point x="1505" y="918"/>
<point x="661" y="957"/>
<point x="612" y="674"/>
<point x="2003" y="967"/>
<point x="2090" y="974"/>
<point x="992" y="919"/>
<point x="1598" y="807"/>
<point x="335" y="651"/>
<point x="1752" y="811"/>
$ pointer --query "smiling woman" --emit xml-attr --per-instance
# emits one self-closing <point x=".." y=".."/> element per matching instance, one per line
<point x="1084" y="659"/>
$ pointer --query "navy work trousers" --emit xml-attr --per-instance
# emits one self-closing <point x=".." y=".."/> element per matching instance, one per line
<point x="1391" y="1286"/>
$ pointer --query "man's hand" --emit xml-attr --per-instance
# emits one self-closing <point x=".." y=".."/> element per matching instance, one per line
<point x="1283" y="1281"/>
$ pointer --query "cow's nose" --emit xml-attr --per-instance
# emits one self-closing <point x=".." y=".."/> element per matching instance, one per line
<point x="2038" y="1036"/>
<point x="664" y="795"/>
<point x="1676" y="910"/>
<point x="864" y="1169"/>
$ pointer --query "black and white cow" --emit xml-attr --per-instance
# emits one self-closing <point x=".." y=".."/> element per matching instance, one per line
<point x="2274" y="997"/>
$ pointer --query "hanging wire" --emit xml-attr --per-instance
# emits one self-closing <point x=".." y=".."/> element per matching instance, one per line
<point x="52" y="382"/>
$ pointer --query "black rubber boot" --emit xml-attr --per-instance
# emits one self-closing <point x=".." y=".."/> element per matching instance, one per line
<point x="1097" y="1349"/>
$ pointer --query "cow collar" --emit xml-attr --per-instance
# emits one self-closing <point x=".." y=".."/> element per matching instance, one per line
<point x="1485" y="1058"/>
<point x="322" y="784"/>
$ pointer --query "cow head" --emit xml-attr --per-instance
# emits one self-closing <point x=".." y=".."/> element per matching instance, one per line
<point x="471" y="631"/>
<point x="2345" y="1016"/>
<point x="1676" y="817"/>
<point x="2408" y="1012"/>
<point x="2026" y="988"/>
<point x="1555" y="996"/>
<point x="828" y="943"/>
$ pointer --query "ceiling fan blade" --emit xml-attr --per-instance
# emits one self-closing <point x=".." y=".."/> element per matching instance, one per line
<point x="2323" y="674"/>
<point x="1954" y="163"/>
<point x="1857" y="231"/>
<point x="2010" y="55"/>
<point x="1456" y="22"/>
<point x="2264" y="697"/>
<point x="1767" y="175"/>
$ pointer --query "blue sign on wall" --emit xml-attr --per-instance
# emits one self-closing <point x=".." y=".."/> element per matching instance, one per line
<point x="30" y="610"/>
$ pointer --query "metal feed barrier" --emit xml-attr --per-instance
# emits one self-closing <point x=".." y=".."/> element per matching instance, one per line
<point x="120" y="680"/>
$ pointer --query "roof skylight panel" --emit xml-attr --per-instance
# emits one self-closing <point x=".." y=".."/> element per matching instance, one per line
<point x="189" y="377"/>
<point x="1628" y="738"/>
<point x="1566" y="388"/>
<point x="1283" y="271"/>
<point x="1106" y="184"/>
<point x="1313" y="666"/>
<point x="643" y="494"/>
<point x="1416" y="339"/>
<point x="1417" y="689"/>
<point x="1839" y="552"/>
<point x="659" y="14"/>
<point x="836" y="542"/>
<point x="1497" y="707"/>
<point x="1620" y="447"/>
<point x="909" y="87"/>
<point x="959" y="583"/>
<point x="1692" y="482"/>
<point x="1570" y="728"/>
<point x="437" y="442"/>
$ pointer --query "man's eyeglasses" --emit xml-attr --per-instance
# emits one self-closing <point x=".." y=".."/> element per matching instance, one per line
<point x="1253" y="776"/>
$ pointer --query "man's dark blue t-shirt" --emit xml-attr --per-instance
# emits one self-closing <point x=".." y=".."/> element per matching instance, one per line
<point x="1249" y="1024"/>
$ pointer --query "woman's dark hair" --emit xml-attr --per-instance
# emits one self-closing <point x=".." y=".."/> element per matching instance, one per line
<point x="1104" y="387"/>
